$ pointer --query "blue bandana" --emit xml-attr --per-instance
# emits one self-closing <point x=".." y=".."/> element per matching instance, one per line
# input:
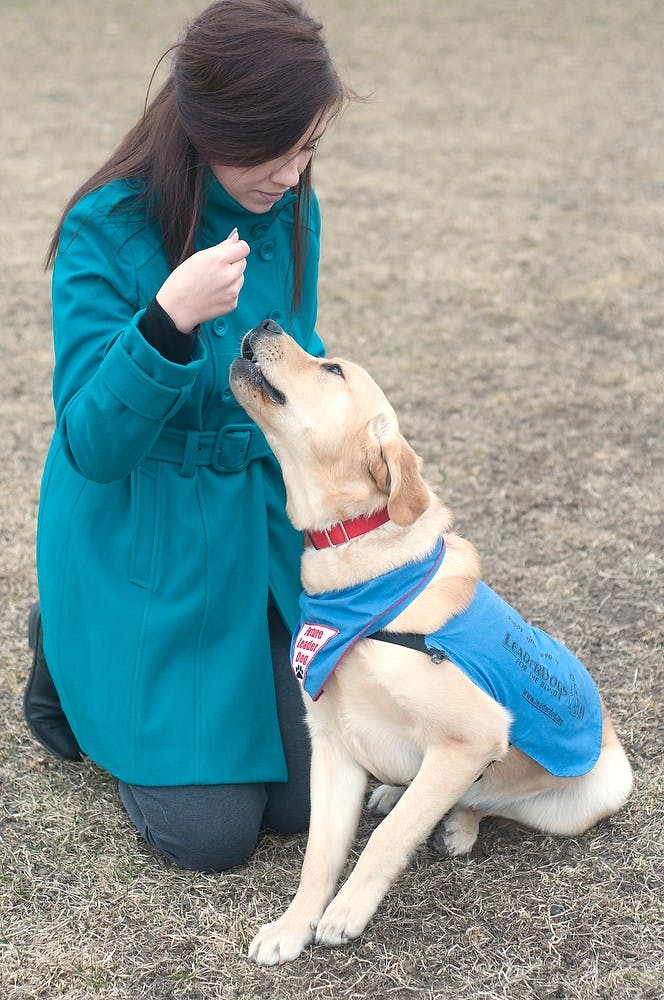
<point x="556" y="709"/>
<point x="331" y="623"/>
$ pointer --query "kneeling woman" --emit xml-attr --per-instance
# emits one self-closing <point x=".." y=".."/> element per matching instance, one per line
<point x="168" y="572"/>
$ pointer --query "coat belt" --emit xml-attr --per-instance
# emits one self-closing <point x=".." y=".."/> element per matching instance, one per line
<point x="229" y="449"/>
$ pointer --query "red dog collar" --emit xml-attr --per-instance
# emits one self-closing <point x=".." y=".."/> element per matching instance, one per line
<point x="342" y="532"/>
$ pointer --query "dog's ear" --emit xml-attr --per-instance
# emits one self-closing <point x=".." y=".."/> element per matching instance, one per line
<point x="395" y="468"/>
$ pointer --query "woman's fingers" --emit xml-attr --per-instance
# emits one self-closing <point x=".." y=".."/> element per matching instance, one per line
<point x="233" y="250"/>
<point x="207" y="284"/>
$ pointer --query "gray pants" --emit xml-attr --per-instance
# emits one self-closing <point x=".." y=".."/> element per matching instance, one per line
<point x="213" y="827"/>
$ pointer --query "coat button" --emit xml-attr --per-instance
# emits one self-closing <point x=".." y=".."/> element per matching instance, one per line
<point x="266" y="252"/>
<point x="219" y="327"/>
<point x="227" y="395"/>
<point x="260" y="229"/>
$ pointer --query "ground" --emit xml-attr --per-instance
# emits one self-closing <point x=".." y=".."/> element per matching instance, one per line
<point x="493" y="249"/>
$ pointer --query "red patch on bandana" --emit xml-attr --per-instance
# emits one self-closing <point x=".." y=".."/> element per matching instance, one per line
<point x="308" y="642"/>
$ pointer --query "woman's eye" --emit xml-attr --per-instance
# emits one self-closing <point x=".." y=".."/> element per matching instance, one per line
<point x="334" y="369"/>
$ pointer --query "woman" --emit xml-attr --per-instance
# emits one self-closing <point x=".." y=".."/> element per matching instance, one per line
<point x="168" y="572"/>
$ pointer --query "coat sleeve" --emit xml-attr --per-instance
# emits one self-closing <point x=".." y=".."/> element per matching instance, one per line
<point x="113" y="392"/>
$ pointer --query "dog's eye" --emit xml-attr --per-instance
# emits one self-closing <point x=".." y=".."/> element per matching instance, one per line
<point x="334" y="369"/>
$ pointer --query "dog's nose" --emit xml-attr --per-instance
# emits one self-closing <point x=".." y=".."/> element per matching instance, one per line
<point x="270" y="328"/>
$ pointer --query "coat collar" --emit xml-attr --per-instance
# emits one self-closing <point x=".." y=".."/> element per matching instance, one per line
<point x="219" y="201"/>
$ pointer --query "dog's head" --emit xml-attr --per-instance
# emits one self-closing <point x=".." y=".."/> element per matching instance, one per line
<point x="332" y="429"/>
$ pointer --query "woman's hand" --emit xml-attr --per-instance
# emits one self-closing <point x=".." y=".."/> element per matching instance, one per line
<point x="205" y="285"/>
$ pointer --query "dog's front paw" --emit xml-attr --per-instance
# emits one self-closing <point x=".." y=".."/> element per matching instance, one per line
<point x="281" y="941"/>
<point x="384" y="798"/>
<point x="341" y="922"/>
<point x="458" y="832"/>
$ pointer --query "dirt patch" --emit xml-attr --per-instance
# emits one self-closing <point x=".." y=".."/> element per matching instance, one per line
<point x="493" y="251"/>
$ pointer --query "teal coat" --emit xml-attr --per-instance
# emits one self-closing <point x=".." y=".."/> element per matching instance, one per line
<point x="162" y="530"/>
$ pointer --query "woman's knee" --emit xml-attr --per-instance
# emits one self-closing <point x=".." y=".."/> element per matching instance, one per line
<point x="205" y="828"/>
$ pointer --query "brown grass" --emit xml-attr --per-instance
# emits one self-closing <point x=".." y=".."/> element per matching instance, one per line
<point x="493" y="254"/>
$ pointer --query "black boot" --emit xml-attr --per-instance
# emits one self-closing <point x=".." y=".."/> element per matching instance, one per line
<point x="41" y="704"/>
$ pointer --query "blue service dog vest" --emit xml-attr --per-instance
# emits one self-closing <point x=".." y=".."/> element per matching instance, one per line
<point x="553" y="700"/>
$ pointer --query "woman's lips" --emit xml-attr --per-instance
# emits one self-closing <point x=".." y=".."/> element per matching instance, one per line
<point x="271" y="195"/>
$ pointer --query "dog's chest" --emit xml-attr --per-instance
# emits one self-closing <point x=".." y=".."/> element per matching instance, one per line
<point x="371" y="722"/>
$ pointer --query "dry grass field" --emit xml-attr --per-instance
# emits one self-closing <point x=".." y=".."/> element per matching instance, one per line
<point x="493" y="253"/>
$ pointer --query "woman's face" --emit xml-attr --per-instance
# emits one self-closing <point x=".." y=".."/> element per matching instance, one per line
<point x="258" y="188"/>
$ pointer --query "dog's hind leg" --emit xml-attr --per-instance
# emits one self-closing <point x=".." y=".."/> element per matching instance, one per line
<point x="518" y="789"/>
<point x="579" y="803"/>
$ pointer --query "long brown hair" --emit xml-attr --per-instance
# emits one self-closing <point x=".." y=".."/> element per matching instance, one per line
<point x="247" y="80"/>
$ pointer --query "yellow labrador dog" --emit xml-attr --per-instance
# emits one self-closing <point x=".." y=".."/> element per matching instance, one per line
<point x="477" y="714"/>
